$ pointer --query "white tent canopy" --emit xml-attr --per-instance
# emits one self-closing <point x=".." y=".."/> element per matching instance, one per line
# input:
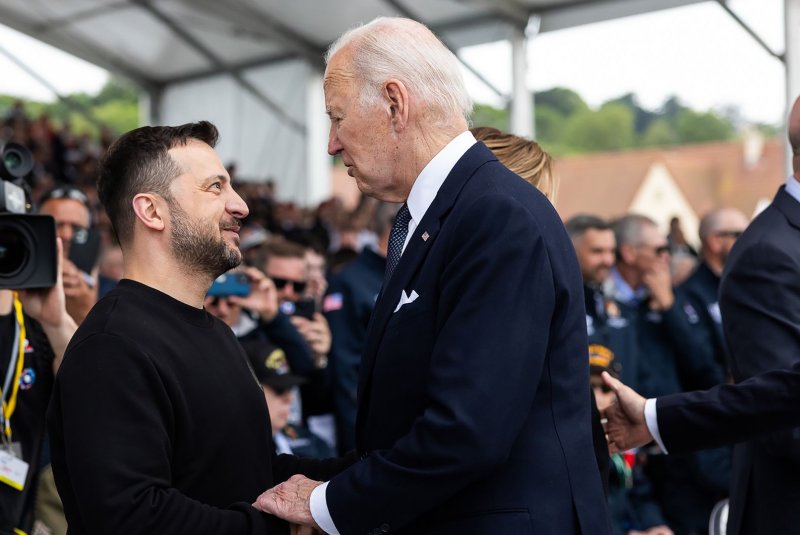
<point x="254" y="67"/>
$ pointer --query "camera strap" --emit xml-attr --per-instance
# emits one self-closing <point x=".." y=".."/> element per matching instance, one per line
<point x="14" y="372"/>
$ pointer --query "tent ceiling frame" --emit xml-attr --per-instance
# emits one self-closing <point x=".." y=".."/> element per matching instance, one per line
<point x="219" y="65"/>
<point x="255" y="22"/>
<point x="80" y="48"/>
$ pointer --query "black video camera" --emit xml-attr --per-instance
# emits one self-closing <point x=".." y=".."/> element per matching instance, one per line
<point x="27" y="241"/>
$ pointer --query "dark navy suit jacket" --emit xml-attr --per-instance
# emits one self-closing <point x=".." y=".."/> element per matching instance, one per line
<point x="760" y="304"/>
<point x="473" y="416"/>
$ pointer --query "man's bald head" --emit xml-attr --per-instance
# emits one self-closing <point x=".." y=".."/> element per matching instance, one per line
<point x="794" y="136"/>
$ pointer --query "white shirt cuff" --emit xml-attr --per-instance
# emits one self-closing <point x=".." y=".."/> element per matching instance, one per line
<point x="319" y="510"/>
<point x="651" y="419"/>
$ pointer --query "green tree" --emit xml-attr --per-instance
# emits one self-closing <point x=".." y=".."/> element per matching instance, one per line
<point x="609" y="128"/>
<point x="549" y="125"/>
<point x="660" y="133"/>
<point x="697" y="127"/>
<point x="117" y="89"/>
<point x="565" y="101"/>
<point x="641" y="117"/>
<point x="486" y="115"/>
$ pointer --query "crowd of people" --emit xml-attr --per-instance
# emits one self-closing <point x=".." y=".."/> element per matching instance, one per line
<point x="467" y="406"/>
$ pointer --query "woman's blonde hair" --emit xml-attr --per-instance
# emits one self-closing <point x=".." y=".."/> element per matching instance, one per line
<point x="523" y="156"/>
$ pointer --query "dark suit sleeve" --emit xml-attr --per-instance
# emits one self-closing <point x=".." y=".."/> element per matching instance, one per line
<point x="760" y="303"/>
<point x="730" y="413"/>
<point x="494" y="312"/>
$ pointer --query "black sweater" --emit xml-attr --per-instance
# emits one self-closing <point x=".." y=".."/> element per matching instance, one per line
<point x="159" y="426"/>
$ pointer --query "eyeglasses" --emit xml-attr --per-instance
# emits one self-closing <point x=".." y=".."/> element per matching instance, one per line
<point x="729" y="234"/>
<point x="216" y="301"/>
<point x="66" y="193"/>
<point x="658" y="250"/>
<point x="280" y="284"/>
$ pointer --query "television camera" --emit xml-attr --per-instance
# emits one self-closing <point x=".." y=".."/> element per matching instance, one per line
<point x="27" y="241"/>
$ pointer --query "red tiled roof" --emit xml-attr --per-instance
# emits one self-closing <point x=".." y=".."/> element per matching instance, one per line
<point x="709" y="175"/>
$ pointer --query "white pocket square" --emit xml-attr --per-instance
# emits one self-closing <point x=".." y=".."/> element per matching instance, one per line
<point x="406" y="299"/>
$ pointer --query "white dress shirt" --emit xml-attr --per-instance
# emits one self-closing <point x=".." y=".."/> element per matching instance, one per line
<point x="422" y="194"/>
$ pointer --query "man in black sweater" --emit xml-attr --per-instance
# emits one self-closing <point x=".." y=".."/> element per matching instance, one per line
<point x="157" y="421"/>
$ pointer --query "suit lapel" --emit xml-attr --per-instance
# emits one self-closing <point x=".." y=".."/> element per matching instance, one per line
<point x="411" y="260"/>
<point x="788" y="206"/>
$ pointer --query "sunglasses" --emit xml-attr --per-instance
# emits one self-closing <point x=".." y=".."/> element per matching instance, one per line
<point x="215" y="301"/>
<point x="729" y="234"/>
<point x="661" y="249"/>
<point x="280" y="284"/>
<point x="66" y="193"/>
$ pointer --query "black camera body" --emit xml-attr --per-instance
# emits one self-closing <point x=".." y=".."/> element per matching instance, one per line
<point x="27" y="241"/>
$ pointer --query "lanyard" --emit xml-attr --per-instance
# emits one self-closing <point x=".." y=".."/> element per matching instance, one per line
<point x="16" y="364"/>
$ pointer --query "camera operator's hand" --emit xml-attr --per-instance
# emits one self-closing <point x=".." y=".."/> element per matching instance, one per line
<point x="80" y="295"/>
<point x="263" y="298"/>
<point x="48" y="307"/>
<point x="316" y="332"/>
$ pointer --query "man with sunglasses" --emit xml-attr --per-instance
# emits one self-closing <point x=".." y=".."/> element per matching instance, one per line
<point x="69" y="206"/>
<point x="672" y="352"/>
<point x="670" y="346"/>
<point x="257" y="318"/>
<point x="285" y="263"/>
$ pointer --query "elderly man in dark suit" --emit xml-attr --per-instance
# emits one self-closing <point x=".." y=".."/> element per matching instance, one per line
<point x="760" y="304"/>
<point x="473" y="416"/>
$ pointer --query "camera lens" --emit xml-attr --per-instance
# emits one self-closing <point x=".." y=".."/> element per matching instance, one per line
<point x="13" y="252"/>
<point x="12" y="160"/>
<point x="17" y="161"/>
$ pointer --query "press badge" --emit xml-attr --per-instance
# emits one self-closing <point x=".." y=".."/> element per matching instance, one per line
<point x="13" y="470"/>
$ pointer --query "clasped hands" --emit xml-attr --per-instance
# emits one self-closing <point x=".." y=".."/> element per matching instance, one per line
<point x="291" y="501"/>
<point x="623" y="421"/>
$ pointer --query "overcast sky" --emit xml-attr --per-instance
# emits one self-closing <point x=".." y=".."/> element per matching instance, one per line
<point x="698" y="53"/>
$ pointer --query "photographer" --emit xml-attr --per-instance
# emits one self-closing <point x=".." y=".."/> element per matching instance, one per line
<point x="34" y="331"/>
<point x="284" y="262"/>
<point x="256" y="316"/>
<point x="70" y="207"/>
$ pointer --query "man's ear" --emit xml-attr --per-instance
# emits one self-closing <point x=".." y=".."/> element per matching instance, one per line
<point x="150" y="209"/>
<point x="396" y="95"/>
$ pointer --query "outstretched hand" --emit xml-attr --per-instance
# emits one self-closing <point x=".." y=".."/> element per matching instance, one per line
<point x="290" y="500"/>
<point x="625" y="425"/>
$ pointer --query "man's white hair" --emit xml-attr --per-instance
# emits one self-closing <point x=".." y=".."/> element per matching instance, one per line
<point x="403" y="49"/>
